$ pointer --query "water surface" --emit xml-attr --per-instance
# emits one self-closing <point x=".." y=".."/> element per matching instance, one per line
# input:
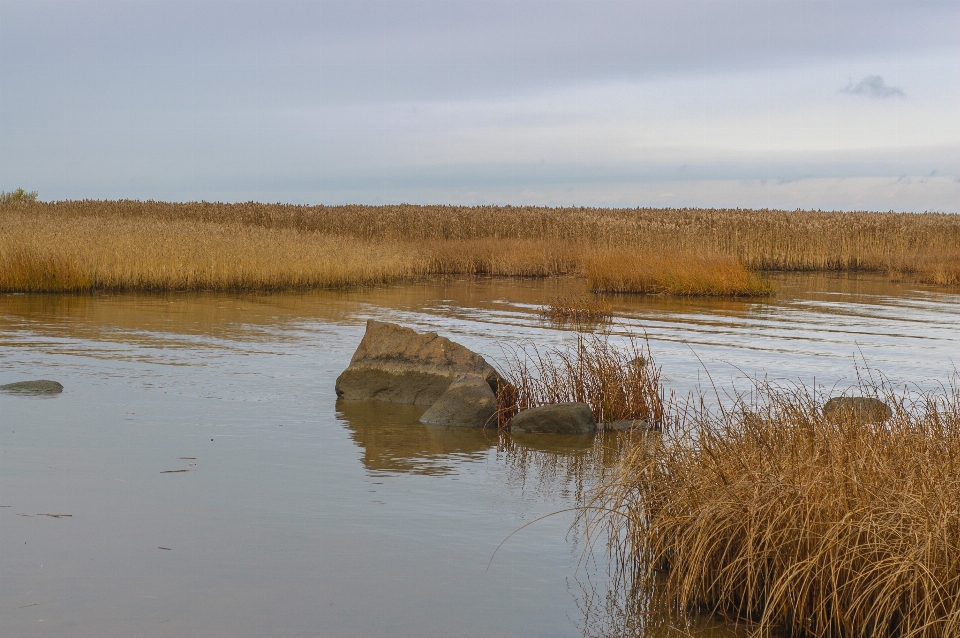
<point x="302" y="516"/>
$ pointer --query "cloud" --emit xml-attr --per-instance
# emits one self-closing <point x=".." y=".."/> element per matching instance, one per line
<point x="872" y="86"/>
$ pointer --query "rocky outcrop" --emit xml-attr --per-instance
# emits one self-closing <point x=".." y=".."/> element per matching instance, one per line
<point x="469" y="402"/>
<point x="859" y="409"/>
<point x="41" y="386"/>
<point x="556" y="418"/>
<point x="397" y="364"/>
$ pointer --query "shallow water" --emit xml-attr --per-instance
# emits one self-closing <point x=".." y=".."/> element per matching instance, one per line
<point x="301" y="517"/>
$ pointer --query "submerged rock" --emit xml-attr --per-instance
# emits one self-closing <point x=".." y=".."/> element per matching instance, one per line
<point x="41" y="386"/>
<point x="556" y="418"/>
<point x="397" y="364"/>
<point x="468" y="402"/>
<point x="860" y="409"/>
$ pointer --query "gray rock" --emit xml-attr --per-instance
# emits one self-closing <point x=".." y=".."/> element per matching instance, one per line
<point x="468" y="402"/>
<point x="397" y="364"/>
<point x="627" y="425"/>
<point x="556" y="418"/>
<point x="42" y="386"/>
<point x="860" y="409"/>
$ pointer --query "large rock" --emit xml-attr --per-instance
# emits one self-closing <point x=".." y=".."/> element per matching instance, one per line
<point x="556" y="418"/>
<point x="468" y="402"/>
<point x="860" y="409"/>
<point x="397" y="364"/>
<point x="41" y="386"/>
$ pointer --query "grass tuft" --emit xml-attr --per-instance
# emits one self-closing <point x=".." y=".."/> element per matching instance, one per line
<point x="582" y="309"/>
<point x="794" y="523"/>
<point x="618" y="383"/>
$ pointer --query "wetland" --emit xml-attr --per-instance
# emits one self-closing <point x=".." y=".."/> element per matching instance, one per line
<point x="197" y="475"/>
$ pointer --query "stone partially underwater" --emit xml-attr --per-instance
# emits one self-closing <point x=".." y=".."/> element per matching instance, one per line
<point x="41" y="386"/>
<point x="860" y="409"/>
<point x="395" y="364"/>
<point x="399" y="365"/>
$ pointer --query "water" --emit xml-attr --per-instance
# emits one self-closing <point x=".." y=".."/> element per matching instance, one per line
<point x="301" y="517"/>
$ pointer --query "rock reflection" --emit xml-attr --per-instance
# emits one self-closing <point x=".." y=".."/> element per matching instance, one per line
<point x="393" y="440"/>
<point x="563" y="465"/>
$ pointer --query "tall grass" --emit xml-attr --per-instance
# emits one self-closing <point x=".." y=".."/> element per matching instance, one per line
<point x="774" y="515"/>
<point x="684" y="273"/>
<point x="156" y="245"/>
<point x="618" y="382"/>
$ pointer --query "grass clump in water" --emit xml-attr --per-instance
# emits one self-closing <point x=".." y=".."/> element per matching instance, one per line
<point x="773" y="515"/>
<point x="618" y="383"/>
<point x="583" y="309"/>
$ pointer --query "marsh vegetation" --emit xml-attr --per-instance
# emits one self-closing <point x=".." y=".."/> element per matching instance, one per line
<point x="619" y="383"/>
<point x="791" y="522"/>
<point x="133" y="245"/>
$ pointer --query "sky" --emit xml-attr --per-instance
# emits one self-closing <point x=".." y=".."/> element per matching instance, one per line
<point x="832" y="105"/>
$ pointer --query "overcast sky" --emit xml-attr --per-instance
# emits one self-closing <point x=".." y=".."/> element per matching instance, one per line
<point x="813" y="104"/>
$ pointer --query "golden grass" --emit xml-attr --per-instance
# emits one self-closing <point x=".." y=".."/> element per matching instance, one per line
<point x="774" y="515"/>
<point x="618" y="383"/>
<point x="38" y="254"/>
<point x="683" y="273"/>
<point x="133" y="245"/>
<point x="582" y="309"/>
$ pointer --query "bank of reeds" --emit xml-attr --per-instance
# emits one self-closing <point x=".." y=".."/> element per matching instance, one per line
<point x="133" y="245"/>
<point x="682" y="273"/>
<point x="618" y="382"/>
<point x="793" y="523"/>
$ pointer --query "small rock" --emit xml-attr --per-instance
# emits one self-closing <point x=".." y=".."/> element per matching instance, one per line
<point x="468" y="402"/>
<point x="861" y="409"/>
<point x="41" y="386"/>
<point x="556" y="418"/>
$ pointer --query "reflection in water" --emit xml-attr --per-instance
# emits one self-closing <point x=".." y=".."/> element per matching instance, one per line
<point x="617" y="612"/>
<point x="393" y="440"/>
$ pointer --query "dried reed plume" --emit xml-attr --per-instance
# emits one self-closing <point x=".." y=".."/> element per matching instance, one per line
<point x="583" y="309"/>
<point x="773" y="515"/>
<point x="618" y="383"/>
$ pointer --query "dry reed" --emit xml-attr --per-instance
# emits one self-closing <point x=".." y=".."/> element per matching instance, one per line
<point x="684" y="273"/>
<point x="618" y="383"/>
<point x="130" y="245"/>
<point x="775" y="516"/>
<point x="582" y="310"/>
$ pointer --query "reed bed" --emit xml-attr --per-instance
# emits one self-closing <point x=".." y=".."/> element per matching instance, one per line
<point x="579" y="310"/>
<point x="619" y="383"/>
<point x="131" y="245"/>
<point x="792" y="523"/>
<point x="38" y="254"/>
<point x="683" y="273"/>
